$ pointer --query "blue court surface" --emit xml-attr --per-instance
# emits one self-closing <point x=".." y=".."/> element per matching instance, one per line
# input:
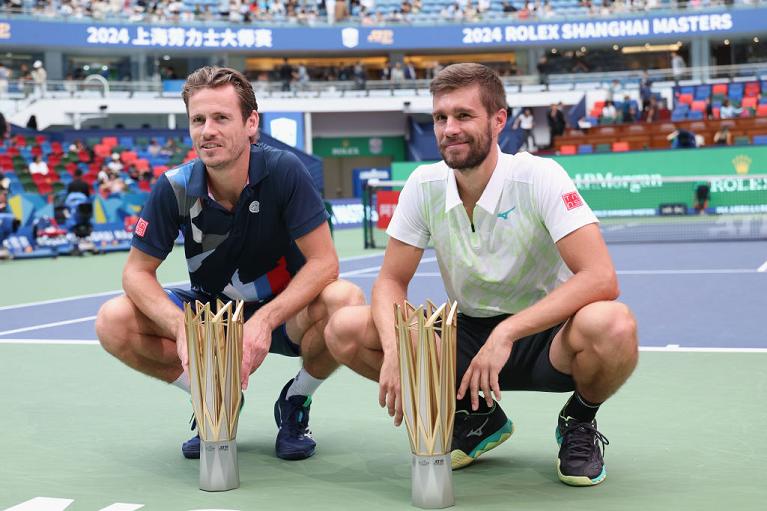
<point x="684" y="295"/>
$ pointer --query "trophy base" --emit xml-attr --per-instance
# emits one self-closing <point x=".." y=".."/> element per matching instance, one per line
<point x="432" y="482"/>
<point x="219" y="469"/>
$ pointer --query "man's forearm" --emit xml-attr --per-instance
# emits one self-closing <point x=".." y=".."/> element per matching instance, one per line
<point x="386" y="293"/>
<point x="582" y="289"/>
<point x="151" y="299"/>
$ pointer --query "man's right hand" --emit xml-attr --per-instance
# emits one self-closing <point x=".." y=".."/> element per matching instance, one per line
<point x="389" y="393"/>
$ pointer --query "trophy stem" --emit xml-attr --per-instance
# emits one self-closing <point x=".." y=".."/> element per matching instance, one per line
<point x="432" y="482"/>
<point x="219" y="470"/>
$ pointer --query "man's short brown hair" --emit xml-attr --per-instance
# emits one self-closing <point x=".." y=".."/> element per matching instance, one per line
<point x="458" y="76"/>
<point x="212" y="77"/>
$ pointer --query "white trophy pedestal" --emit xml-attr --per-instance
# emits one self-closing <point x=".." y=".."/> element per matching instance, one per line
<point x="432" y="481"/>
<point x="219" y="470"/>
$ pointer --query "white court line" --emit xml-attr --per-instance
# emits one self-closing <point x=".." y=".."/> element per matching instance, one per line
<point x="51" y="342"/>
<point x="762" y="268"/>
<point x="47" y="325"/>
<point x="360" y="271"/>
<point x="118" y="291"/>
<point x="79" y="297"/>
<point x="685" y="272"/>
<point x="671" y="348"/>
<point x="42" y="504"/>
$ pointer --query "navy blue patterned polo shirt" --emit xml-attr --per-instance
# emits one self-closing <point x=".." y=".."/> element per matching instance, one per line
<point x="248" y="253"/>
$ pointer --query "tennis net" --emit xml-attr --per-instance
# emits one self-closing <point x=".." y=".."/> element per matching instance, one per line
<point x="637" y="209"/>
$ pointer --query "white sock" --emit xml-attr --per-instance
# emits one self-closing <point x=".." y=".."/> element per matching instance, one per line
<point x="303" y="385"/>
<point x="182" y="382"/>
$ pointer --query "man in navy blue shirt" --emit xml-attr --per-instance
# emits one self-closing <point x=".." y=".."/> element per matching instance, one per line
<point x="255" y="229"/>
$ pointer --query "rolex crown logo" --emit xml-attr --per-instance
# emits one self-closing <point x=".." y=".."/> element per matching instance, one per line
<point x="741" y="163"/>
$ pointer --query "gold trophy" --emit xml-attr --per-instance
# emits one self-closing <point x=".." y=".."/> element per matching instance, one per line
<point x="427" y="349"/>
<point x="214" y="342"/>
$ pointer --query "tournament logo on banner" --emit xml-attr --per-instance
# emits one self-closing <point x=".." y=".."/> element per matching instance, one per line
<point x="386" y="203"/>
<point x="350" y="37"/>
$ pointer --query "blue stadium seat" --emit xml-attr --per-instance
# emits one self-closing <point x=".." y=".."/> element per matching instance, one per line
<point x="760" y="140"/>
<point x="678" y="116"/>
<point x="585" y="149"/>
<point x="694" y="115"/>
<point x="702" y="92"/>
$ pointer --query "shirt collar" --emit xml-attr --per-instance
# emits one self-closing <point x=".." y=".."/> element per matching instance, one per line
<point x="198" y="184"/>
<point x="490" y="195"/>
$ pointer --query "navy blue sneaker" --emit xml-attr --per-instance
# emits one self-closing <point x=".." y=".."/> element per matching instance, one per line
<point x="581" y="452"/>
<point x="294" y="440"/>
<point x="191" y="448"/>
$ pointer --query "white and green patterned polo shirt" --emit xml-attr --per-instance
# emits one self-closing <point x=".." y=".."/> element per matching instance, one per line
<point x="508" y="261"/>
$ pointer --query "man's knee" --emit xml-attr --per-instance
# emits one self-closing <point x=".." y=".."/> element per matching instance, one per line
<point x="339" y="294"/>
<point x="112" y="324"/>
<point x="344" y="332"/>
<point x="609" y="328"/>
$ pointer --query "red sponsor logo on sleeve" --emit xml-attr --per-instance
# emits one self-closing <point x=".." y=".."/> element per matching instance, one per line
<point x="572" y="200"/>
<point x="141" y="226"/>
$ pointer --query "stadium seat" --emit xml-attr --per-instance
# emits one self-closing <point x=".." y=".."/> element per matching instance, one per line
<point x="761" y="110"/>
<point x="695" y="115"/>
<point x="699" y="106"/>
<point x="749" y="102"/>
<point x="619" y="147"/>
<point x="742" y="140"/>
<point x="719" y="89"/>
<point x="585" y="149"/>
<point x="751" y="89"/>
<point x="745" y="113"/>
<point x="109" y="141"/>
<point x="567" y="149"/>
<point x="603" y="148"/>
<point x="760" y="139"/>
<point x="684" y="98"/>
<point x="702" y="92"/>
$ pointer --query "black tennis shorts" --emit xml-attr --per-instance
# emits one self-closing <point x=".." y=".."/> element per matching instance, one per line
<point x="528" y="367"/>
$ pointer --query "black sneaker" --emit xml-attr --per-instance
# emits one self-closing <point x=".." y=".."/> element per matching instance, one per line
<point x="581" y="450"/>
<point x="294" y="439"/>
<point x="475" y="433"/>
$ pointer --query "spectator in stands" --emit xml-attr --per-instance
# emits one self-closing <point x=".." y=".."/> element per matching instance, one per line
<point x="678" y="65"/>
<point x="115" y="165"/>
<point x="302" y="76"/>
<point x="398" y="74"/>
<point x="709" y="113"/>
<point x="39" y="78"/>
<point x="5" y="182"/>
<point x="154" y="148"/>
<point x="526" y="122"/>
<point x="723" y="136"/>
<point x="650" y="114"/>
<point x="286" y="75"/>
<point x="359" y="75"/>
<point x="3" y="203"/>
<point x="170" y="148"/>
<point x="78" y="185"/>
<point x="645" y="90"/>
<point x="682" y="139"/>
<point x="38" y="166"/>
<point x="557" y="124"/>
<point x="5" y="76"/>
<point x="727" y="110"/>
<point x="507" y="7"/>
<point x="609" y="113"/>
<point x="25" y="79"/>
<point x="628" y="112"/>
<point x="32" y="122"/>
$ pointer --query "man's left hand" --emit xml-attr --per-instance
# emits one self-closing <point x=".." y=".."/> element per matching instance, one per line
<point x="482" y="373"/>
<point x="256" y="341"/>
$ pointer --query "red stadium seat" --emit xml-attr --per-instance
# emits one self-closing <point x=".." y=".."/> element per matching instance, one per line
<point x="56" y="148"/>
<point x="685" y="99"/>
<point x="142" y="165"/>
<point x="110" y="142"/>
<point x="20" y="141"/>
<point x="719" y="89"/>
<point x="568" y="149"/>
<point x="144" y="186"/>
<point x="160" y="170"/>
<point x="699" y="106"/>
<point x="36" y="150"/>
<point x="102" y="150"/>
<point x="128" y="157"/>
<point x="619" y="147"/>
<point x="751" y="89"/>
<point x="761" y="111"/>
<point x="749" y="102"/>
<point x="599" y="105"/>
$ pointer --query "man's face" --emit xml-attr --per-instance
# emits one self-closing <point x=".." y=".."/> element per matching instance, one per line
<point x="464" y="130"/>
<point x="219" y="133"/>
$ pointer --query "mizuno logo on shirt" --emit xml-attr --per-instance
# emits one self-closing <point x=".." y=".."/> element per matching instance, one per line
<point x="505" y="214"/>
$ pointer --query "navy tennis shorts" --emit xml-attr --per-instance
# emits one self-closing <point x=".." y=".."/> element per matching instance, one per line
<point x="281" y="343"/>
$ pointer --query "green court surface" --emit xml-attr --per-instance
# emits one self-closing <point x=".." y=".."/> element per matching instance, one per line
<point x="686" y="432"/>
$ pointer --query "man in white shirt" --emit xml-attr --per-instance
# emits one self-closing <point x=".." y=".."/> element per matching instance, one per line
<point x="522" y="254"/>
<point x="38" y="166"/>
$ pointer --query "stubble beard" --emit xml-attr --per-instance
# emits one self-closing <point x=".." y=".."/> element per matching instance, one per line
<point x="479" y="148"/>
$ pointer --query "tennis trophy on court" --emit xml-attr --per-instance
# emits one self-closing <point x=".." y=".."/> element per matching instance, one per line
<point x="214" y="341"/>
<point x="426" y="345"/>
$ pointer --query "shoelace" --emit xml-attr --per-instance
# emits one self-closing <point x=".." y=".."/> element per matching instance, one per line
<point x="581" y="438"/>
